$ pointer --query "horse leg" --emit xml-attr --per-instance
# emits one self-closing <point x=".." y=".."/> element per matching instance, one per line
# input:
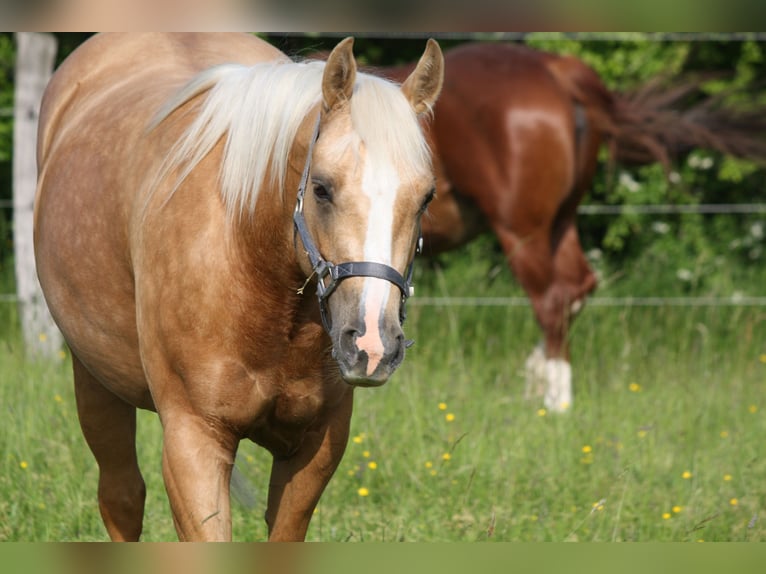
<point x="109" y="426"/>
<point x="557" y="295"/>
<point x="573" y="271"/>
<point x="532" y="261"/>
<point x="298" y="481"/>
<point x="197" y="462"/>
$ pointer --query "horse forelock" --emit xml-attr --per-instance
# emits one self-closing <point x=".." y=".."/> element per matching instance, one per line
<point x="257" y="111"/>
<point x="388" y="126"/>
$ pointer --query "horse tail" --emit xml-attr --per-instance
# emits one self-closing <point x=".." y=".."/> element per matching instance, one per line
<point x="678" y="117"/>
<point x="661" y="121"/>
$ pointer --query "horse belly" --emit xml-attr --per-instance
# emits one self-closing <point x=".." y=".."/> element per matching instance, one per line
<point x="82" y="264"/>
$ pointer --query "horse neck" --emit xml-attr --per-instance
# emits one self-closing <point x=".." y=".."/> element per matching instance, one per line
<point x="265" y="244"/>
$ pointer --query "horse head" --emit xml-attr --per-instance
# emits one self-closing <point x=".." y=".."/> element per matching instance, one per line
<point x="367" y="181"/>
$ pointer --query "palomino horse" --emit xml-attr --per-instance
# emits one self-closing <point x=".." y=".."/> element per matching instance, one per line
<point x="516" y="134"/>
<point x="174" y="252"/>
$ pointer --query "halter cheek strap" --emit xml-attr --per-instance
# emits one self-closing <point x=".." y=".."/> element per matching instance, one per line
<point x="329" y="275"/>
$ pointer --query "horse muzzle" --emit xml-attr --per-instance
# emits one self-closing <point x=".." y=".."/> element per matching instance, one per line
<point x="368" y="360"/>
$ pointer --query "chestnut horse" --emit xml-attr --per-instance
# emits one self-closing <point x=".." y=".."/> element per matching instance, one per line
<point x="177" y="258"/>
<point x="516" y="135"/>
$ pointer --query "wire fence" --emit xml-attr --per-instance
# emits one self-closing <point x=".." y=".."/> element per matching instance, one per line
<point x="595" y="301"/>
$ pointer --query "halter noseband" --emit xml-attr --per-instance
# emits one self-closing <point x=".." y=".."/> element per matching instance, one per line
<point x="329" y="275"/>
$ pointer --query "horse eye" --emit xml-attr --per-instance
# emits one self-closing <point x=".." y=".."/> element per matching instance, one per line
<point x="321" y="191"/>
<point x="428" y="199"/>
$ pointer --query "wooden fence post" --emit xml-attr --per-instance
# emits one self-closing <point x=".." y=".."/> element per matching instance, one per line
<point x="35" y="54"/>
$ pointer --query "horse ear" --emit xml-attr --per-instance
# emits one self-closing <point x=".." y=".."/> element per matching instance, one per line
<point x="423" y="85"/>
<point x="339" y="75"/>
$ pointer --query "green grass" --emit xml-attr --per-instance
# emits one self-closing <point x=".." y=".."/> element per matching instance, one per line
<point x="659" y="392"/>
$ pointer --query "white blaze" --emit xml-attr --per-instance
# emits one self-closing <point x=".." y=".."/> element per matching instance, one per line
<point x="380" y="183"/>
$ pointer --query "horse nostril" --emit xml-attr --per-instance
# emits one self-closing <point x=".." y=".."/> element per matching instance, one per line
<point x="348" y="346"/>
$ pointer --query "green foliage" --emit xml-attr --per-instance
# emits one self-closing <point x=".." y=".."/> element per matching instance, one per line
<point x="622" y="63"/>
<point x="7" y="55"/>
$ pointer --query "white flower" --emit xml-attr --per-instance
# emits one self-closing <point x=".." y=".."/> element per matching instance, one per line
<point x="594" y="254"/>
<point x="660" y="227"/>
<point x="756" y="230"/>
<point x="684" y="274"/>
<point x="627" y="181"/>
<point x="694" y="161"/>
<point x="674" y="177"/>
<point x="701" y="163"/>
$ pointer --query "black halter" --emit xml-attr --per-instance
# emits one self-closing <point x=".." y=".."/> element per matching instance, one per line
<point x="329" y="275"/>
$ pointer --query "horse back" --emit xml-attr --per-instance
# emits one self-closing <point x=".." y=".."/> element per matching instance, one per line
<point x="110" y="63"/>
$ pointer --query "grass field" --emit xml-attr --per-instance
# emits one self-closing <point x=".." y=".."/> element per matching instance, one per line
<point x="665" y="441"/>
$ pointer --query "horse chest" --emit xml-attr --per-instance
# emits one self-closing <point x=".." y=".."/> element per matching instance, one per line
<point x="294" y="409"/>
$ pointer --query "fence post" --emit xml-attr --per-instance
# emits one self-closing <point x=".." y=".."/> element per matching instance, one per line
<point x="35" y="54"/>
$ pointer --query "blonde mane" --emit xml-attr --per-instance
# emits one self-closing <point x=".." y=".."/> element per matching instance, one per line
<point x="258" y="109"/>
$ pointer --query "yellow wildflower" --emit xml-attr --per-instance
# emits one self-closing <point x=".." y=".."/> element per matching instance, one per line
<point x="677" y="509"/>
<point x="634" y="387"/>
<point x="363" y="491"/>
<point x="442" y="406"/>
<point x="686" y="475"/>
<point x="372" y="465"/>
<point x="23" y="464"/>
<point x="734" y="502"/>
<point x="727" y="477"/>
<point x="541" y="412"/>
<point x="446" y="456"/>
<point x="587" y="448"/>
<point x="666" y="515"/>
<point x="449" y="417"/>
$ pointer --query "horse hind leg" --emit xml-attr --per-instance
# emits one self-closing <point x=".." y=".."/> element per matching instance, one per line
<point x="548" y="370"/>
<point x="549" y="367"/>
<point x="109" y="426"/>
